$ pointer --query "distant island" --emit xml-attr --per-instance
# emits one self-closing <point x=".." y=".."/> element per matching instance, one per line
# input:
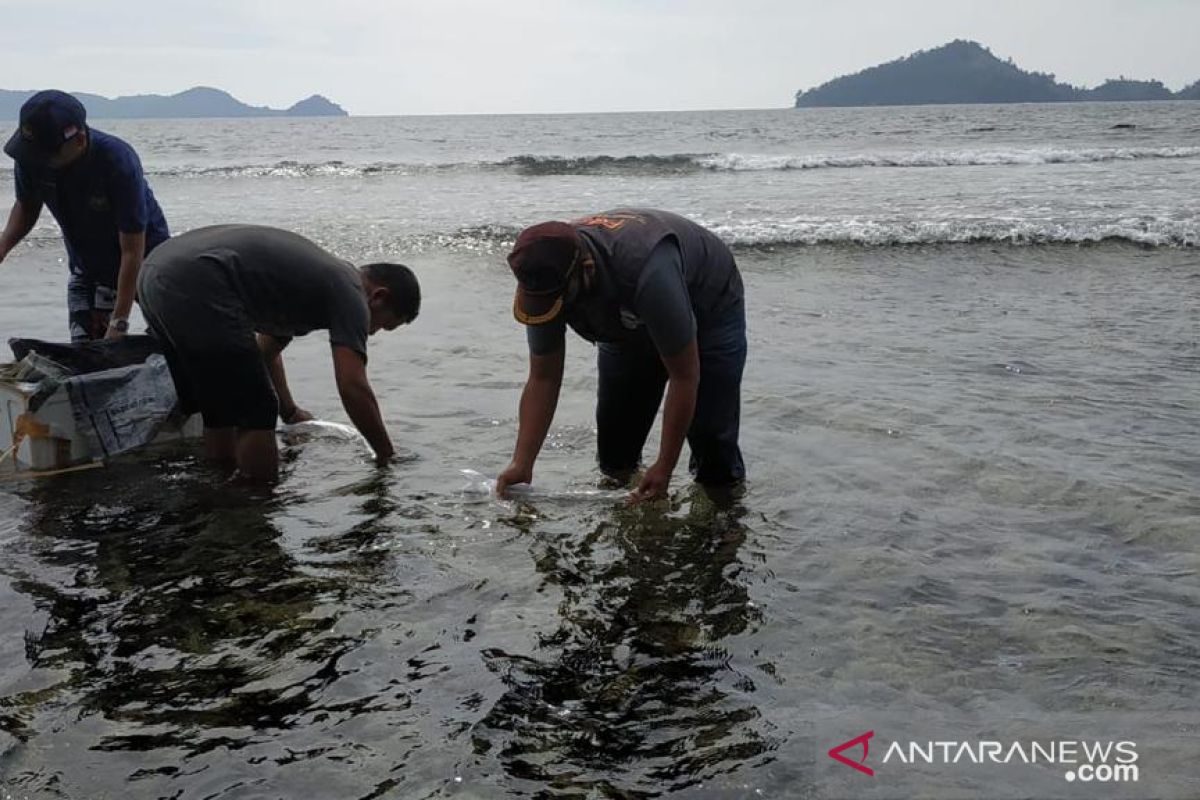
<point x="967" y="72"/>
<point x="200" y="101"/>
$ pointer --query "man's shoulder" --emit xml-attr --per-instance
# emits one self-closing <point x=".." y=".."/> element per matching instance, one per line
<point x="346" y="283"/>
<point x="108" y="141"/>
<point x="112" y="149"/>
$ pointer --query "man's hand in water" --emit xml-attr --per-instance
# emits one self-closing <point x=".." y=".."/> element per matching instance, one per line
<point x="513" y="474"/>
<point x="298" y="415"/>
<point x="654" y="484"/>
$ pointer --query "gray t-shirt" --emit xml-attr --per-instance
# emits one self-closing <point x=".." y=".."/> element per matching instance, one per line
<point x="290" y="285"/>
<point x="661" y="304"/>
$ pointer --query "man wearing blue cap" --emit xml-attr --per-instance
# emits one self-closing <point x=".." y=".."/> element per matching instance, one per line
<point x="92" y="183"/>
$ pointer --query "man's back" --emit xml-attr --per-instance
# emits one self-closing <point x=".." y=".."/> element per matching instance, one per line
<point x="288" y="284"/>
<point x="625" y="238"/>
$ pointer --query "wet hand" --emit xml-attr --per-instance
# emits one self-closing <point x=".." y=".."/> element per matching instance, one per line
<point x="383" y="458"/>
<point x="653" y="486"/>
<point x="298" y="415"/>
<point x="513" y="474"/>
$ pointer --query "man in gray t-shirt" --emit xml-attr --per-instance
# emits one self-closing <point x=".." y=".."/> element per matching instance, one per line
<point x="227" y="299"/>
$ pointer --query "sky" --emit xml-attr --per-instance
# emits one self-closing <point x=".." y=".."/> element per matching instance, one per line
<point x="529" y="56"/>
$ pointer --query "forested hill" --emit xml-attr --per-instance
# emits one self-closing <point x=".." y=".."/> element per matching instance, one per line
<point x="199" y="101"/>
<point x="967" y="72"/>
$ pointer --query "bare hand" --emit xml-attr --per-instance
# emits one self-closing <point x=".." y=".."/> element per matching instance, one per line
<point x="100" y="329"/>
<point x="653" y="486"/>
<point x="513" y="474"/>
<point x="299" y="415"/>
<point x="112" y="334"/>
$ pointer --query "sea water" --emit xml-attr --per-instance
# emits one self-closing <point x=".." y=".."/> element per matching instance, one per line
<point x="970" y="423"/>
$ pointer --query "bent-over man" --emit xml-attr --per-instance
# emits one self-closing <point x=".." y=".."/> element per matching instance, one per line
<point x="664" y="299"/>
<point x="226" y="300"/>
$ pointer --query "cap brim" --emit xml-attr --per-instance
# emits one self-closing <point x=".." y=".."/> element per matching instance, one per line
<point x="536" y="309"/>
<point x="21" y="149"/>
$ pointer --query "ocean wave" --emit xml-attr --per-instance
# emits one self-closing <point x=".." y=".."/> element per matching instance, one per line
<point x="577" y="165"/>
<point x="681" y="163"/>
<point x="943" y="158"/>
<point x="751" y="234"/>
<point x="523" y="164"/>
<point x="298" y="169"/>
<point x="876" y="233"/>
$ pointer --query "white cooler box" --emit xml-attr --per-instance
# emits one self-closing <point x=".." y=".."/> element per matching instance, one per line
<point x="66" y="420"/>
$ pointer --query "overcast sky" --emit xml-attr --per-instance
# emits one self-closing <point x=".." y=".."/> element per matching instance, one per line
<point x="478" y="56"/>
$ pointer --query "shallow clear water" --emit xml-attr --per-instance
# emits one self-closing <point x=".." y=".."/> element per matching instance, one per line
<point x="972" y="503"/>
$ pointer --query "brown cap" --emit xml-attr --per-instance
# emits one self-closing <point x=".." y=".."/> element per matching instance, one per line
<point x="543" y="259"/>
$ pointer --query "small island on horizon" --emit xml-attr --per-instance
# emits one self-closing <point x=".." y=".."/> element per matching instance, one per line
<point x="199" y="101"/>
<point x="967" y="72"/>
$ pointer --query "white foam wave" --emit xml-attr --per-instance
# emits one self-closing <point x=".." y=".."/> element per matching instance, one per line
<point x="874" y="233"/>
<point x="685" y="162"/>
<point x="295" y="169"/>
<point x="735" y="162"/>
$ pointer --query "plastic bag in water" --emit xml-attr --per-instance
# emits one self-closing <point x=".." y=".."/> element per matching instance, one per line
<point x="479" y="487"/>
<point x="321" y="429"/>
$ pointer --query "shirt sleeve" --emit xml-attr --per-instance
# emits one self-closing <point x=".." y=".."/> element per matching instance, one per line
<point x="128" y="192"/>
<point x="546" y="339"/>
<point x="27" y="194"/>
<point x="662" y="301"/>
<point x="350" y="322"/>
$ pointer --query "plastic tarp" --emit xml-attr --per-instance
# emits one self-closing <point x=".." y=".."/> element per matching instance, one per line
<point x="121" y="392"/>
<point x="122" y="409"/>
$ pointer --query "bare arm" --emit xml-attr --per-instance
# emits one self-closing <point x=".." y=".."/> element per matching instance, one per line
<point x="272" y="348"/>
<point x="350" y="372"/>
<point x="683" y="380"/>
<point x="21" y="220"/>
<point x="133" y="251"/>
<point x="539" y="400"/>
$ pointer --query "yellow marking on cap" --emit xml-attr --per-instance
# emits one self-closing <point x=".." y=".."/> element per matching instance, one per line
<point x="536" y="319"/>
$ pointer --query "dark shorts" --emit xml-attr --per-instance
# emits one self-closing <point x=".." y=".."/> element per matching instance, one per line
<point x="209" y="341"/>
<point x="632" y="380"/>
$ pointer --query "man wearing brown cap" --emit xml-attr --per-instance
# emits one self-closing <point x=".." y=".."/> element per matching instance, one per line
<point x="663" y="299"/>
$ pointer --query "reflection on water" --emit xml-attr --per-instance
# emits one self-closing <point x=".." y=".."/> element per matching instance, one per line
<point x="176" y="622"/>
<point x="634" y="690"/>
<point x="196" y="638"/>
<point x="927" y="536"/>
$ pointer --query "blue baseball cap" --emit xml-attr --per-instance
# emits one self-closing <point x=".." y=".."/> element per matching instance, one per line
<point x="48" y="119"/>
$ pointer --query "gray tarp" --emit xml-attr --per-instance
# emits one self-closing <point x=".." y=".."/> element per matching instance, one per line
<point x="118" y="410"/>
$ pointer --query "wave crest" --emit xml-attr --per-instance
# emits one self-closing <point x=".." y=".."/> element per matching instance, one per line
<point x="943" y="158"/>
<point x="680" y="163"/>
<point x="875" y="233"/>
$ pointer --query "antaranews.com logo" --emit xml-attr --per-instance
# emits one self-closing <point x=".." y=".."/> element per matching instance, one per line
<point x="1086" y="761"/>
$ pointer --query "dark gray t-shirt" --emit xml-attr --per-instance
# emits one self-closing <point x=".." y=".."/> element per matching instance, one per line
<point x="662" y="304"/>
<point x="290" y="285"/>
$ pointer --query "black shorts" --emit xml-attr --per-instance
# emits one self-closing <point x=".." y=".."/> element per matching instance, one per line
<point x="209" y="341"/>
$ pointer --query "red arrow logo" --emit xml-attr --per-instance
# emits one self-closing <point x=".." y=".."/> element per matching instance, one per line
<point x="861" y="765"/>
